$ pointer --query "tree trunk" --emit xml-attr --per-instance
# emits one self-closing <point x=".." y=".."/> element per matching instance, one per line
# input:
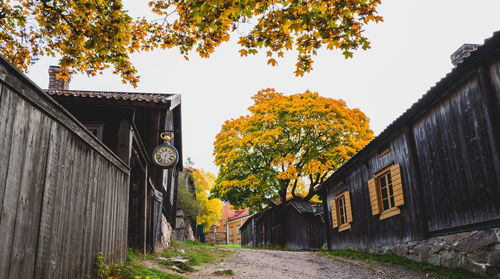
<point x="284" y="187"/>
<point x="310" y="193"/>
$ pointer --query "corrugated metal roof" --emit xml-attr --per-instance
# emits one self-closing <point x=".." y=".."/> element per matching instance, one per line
<point x="434" y="94"/>
<point x="126" y="96"/>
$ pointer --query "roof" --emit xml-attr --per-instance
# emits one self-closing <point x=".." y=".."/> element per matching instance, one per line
<point x="301" y="206"/>
<point x="426" y="102"/>
<point x="231" y="214"/>
<point x="307" y="207"/>
<point x="157" y="98"/>
<point x="248" y="221"/>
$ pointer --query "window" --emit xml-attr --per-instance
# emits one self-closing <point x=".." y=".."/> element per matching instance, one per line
<point x="231" y="230"/>
<point x="238" y="229"/>
<point x="384" y="182"/>
<point x="384" y="152"/>
<point x="386" y="192"/>
<point x="95" y="129"/>
<point x="239" y="241"/>
<point x="341" y="211"/>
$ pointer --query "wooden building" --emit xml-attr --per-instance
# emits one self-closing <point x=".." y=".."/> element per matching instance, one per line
<point x="295" y="225"/>
<point x="63" y="193"/>
<point x="228" y="228"/>
<point x="73" y="164"/>
<point x="130" y="124"/>
<point x="434" y="171"/>
<point x="233" y="225"/>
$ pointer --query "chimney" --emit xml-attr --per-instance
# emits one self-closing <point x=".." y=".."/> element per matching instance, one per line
<point x="463" y="52"/>
<point x="56" y="83"/>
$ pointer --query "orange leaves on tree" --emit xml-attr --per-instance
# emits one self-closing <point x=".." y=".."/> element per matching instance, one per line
<point x="95" y="35"/>
<point x="272" y="62"/>
<point x="89" y="35"/>
<point x="285" y="144"/>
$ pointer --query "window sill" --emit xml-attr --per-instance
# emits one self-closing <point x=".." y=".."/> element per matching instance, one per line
<point x="389" y="213"/>
<point x="344" y="227"/>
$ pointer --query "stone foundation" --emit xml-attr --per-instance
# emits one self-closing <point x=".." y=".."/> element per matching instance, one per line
<point x="183" y="230"/>
<point x="477" y="251"/>
<point x="166" y="235"/>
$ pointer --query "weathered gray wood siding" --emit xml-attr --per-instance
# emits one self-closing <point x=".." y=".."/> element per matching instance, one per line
<point x="367" y="229"/>
<point x="456" y="157"/>
<point x="495" y="76"/>
<point x="301" y="231"/>
<point x="448" y="147"/>
<point x="63" y="194"/>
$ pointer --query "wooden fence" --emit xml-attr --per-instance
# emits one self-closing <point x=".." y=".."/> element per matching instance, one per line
<point x="63" y="194"/>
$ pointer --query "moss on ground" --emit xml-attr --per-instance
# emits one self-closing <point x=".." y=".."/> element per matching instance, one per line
<point x="198" y="253"/>
<point x="391" y="259"/>
<point x="131" y="269"/>
<point x="224" y="272"/>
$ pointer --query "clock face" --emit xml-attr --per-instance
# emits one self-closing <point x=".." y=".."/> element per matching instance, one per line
<point x="165" y="155"/>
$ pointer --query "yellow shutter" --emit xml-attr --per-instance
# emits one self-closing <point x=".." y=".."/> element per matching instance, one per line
<point x="373" y="196"/>
<point x="348" y="207"/>
<point x="397" y="186"/>
<point x="334" y="213"/>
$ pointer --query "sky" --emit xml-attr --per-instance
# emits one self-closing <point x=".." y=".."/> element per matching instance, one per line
<point x="410" y="52"/>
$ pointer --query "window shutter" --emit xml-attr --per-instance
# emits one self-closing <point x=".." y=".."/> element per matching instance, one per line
<point x="397" y="185"/>
<point x="373" y="196"/>
<point x="334" y="213"/>
<point x="348" y="207"/>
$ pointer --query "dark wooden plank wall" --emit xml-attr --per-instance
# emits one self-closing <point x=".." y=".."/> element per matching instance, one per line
<point x="263" y="229"/>
<point x="495" y="77"/>
<point x="157" y="205"/>
<point x="246" y="234"/>
<point x="450" y="167"/>
<point x="494" y="108"/>
<point x="398" y="228"/>
<point x="63" y="194"/>
<point x="456" y="163"/>
<point x="301" y="231"/>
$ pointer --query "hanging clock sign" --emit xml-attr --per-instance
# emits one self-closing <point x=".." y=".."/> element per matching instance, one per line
<point x="165" y="155"/>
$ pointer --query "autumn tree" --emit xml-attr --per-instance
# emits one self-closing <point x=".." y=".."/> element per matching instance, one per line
<point x="284" y="143"/>
<point x="92" y="35"/>
<point x="193" y="197"/>
<point x="209" y="209"/>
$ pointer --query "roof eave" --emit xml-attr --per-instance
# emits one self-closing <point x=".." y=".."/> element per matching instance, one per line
<point x="432" y="96"/>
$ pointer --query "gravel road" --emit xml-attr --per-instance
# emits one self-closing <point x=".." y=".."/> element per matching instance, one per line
<point x="257" y="264"/>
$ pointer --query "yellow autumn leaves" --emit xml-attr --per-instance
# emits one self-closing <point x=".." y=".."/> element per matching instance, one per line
<point x="92" y="35"/>
<point x="284" y="143"/>
<point x="209" y="209"/>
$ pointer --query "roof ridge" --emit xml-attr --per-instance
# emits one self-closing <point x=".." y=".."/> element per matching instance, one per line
<point x="117" y="95"/>
<point x="428" y="96"/>
<point x="108" y="92"/>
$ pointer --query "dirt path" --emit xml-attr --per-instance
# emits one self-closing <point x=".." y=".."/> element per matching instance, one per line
<point x="248" y="263"/>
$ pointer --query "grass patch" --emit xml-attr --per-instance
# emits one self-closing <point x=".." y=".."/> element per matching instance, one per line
<point x="224" y="272"/>
<point x="229" y="246"/>
<point x="176" y="266"/>
<point x="391" y="259"/>
<point x="131" y="269"/>
<point x="198" y="253"/>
